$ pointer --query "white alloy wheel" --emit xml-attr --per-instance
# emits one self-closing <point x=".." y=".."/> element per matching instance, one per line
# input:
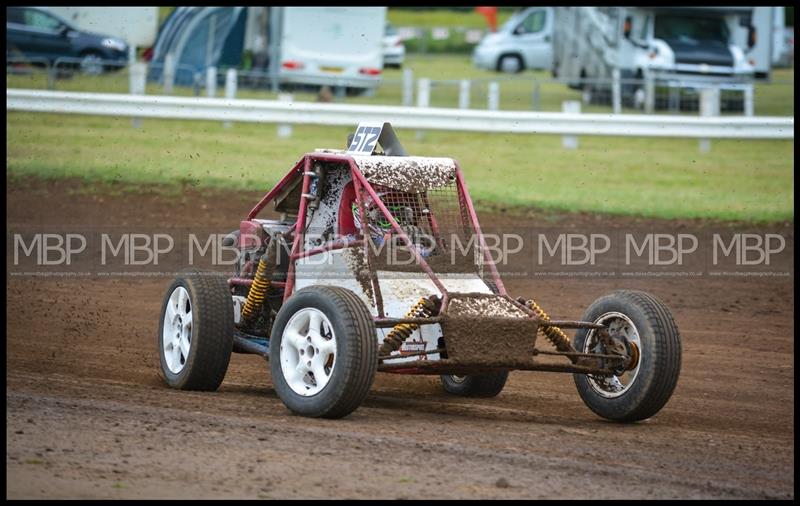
<point x="308" y="352"/>
<point x="176" y="334"/>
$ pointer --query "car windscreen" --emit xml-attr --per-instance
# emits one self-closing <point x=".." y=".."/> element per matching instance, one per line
<point x="513" y="21"/>
<point x="691" y="29"/>
<point x="15" y="15"/>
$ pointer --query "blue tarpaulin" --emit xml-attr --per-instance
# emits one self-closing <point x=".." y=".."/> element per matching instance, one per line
<point x="199" y="37"/>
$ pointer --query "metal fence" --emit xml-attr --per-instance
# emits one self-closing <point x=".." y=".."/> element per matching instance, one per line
<point x="423" y="118"/>
<point x="521" y="92"/>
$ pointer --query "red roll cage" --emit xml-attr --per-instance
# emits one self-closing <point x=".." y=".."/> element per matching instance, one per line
<point x="303" y="169"/>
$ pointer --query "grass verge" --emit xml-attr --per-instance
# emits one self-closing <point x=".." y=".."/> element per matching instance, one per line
<point x="665" y="178"/>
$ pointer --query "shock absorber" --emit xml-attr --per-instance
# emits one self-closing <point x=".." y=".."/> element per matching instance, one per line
<point x="258" y="291"/>
<point x="555" y="335"/>
<point x="427" y="306"/>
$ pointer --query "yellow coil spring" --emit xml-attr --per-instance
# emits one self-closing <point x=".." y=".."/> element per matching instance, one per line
<point x="553" y="334"/>
<point x="258" y="291"/>
<point x="402" y="331"/>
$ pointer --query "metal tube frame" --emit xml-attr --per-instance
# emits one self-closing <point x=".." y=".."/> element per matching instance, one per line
<point x="303" y="169"/>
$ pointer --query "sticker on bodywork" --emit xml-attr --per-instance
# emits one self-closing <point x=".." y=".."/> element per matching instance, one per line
<point x="368" y="136"/>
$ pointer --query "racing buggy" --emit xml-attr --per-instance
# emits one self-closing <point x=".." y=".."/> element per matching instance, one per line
<point x="374" y="261"/>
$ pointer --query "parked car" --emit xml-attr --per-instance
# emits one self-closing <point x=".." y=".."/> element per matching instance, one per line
<point x="394" y="51"/>
<point x="37" y="33"/>
<point x="523" y="42"/>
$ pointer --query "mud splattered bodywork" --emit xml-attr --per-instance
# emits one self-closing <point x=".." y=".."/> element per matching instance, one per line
<point x="407" y="173"/>
<point x="384" y="260"/>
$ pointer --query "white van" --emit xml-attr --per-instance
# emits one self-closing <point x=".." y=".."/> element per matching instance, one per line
<point x="333" y="46"/>
<point x="523" y="42"/>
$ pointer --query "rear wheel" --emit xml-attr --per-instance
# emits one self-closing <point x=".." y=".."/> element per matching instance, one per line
<point x="479" y="385"/>
<point x="323" y="352"/>
<point x="649" y="333"/>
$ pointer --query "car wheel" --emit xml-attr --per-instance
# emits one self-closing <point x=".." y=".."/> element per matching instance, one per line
<point x="510" y="63"/>
<point x="195" y="335"/>
<point x="649" y="331"/>
<point x="323" y="352"/>
<point x="91" y="64"/>
<point x="479" y="385"/>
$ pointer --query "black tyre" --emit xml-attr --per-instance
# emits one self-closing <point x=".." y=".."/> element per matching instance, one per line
<point x="510" y="63"/>
<point x="323" y="352"/>
<point x="195" y="334"/>
<point x="642" y="391"/>
<point x="478" y="385"/>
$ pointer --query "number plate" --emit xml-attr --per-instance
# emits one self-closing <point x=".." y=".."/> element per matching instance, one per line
<point x="365" y="139"/>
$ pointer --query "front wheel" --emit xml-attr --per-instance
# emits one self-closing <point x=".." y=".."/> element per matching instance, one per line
<point x="323" y="352"/>
<point x="648" y="330"/>
<point x="91" y="64"/>
<point x="195" y="336"/>
<point x="510" y="64"/>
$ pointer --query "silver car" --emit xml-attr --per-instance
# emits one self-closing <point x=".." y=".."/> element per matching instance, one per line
<point x="394" y="51"/>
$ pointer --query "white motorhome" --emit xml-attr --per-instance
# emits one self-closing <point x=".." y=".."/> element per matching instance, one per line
<point x="340" y="47"/>
<point x="700" y="44"/>
<point x="138" y="26"/>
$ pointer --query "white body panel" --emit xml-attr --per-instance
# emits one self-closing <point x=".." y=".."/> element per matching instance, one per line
<point x="400" y="291"/>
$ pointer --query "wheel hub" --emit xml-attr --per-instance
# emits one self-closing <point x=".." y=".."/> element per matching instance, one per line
<point x="308" y="352"/>
<point x="176" y="337"/>
<point x="625" y="336"/>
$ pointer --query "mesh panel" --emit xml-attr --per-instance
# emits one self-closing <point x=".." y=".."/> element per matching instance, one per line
<point x="437" y="223"/>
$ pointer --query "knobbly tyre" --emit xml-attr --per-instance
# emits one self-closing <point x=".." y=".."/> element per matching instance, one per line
<point x="376" y="262"/>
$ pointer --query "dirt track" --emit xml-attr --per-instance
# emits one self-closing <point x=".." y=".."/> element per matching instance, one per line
<point x="89" y="417"/>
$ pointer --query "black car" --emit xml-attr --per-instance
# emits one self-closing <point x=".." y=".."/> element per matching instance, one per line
<point x="37" y="33"/>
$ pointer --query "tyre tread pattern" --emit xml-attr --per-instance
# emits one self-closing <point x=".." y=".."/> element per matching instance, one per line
<point x="212" y="330"/>
<point x="666" y="367"/>
<point x="360" y="360"/>
<point x="355" y="315"/>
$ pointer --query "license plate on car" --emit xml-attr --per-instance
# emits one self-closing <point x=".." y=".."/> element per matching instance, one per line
<point x="335" y="70"/>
